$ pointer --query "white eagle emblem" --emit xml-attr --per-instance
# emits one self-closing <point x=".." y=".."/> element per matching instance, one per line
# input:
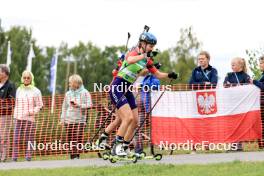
<point x="206" y="103"/>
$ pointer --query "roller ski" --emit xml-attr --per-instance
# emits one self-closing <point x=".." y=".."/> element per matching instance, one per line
<point x="104" y="146"/>
<point x="114" y="153"/>
<point x="132" y="157"/>
<point x="144" y="156"/>
<point x="128" y="156"/>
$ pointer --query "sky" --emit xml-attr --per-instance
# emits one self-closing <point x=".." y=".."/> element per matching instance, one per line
<point x="226" y="28"/>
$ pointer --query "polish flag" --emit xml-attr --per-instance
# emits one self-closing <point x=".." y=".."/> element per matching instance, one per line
<point x="219" y="115"/>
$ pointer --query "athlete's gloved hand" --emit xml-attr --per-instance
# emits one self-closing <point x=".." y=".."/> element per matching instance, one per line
<point x="158" y="65"/>
<point x="173" y="75"/>
<point x="153" y="53"/>
<point x="149" y="63"/>
<point x="114" y="72"/>
<point x="122" y="57"/>
<point x="119" y="64"/>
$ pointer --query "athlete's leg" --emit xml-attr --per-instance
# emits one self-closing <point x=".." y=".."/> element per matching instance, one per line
<point x="126" y="115"/>
<point x="102" y="141"/>
<point x="113" y="125"/>
<point x="135" y="119"/>
<point x="123" y="110"/>
<point x="132" y="126"/>
<point x="133" y="122"/>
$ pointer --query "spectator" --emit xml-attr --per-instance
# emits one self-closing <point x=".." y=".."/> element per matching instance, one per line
<point x="237" y="77"/>
<point x="27" y="106"/>
<point x="239" y="74"/>
<point x="7" y="95"/>
<point x="260" y="84"/>
<point x="204" y="76"/>
<point x="74" y="113"/>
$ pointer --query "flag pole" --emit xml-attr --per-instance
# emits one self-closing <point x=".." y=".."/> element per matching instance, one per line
<point x="30" y="56"/>
<point x="54" y="84"/>
<point x="8" y="58"/>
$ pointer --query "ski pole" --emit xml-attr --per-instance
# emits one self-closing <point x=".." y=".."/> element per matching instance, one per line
<point x="150" y="110"/>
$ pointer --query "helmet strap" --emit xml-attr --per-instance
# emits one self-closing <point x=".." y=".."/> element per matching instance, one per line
<point x="141" y="47"/>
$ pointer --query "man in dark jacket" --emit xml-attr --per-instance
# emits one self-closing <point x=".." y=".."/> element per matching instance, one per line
<point x="7" y="95"/>
<point x="203" y="76"/>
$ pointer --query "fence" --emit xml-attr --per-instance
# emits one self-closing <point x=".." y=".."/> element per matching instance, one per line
<point x="46" y="136"/>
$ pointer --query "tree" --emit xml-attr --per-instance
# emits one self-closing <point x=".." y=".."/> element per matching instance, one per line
<point x="20" y="40"/>
<point x="166" y="64"/>
<point x="185" y="53"/>
<point x="63" y="67"/>
<point x="99" y="65"/>
<point x="92" y="63"/>
<point x="253" y="61"/>
<point x="3" y="46"/>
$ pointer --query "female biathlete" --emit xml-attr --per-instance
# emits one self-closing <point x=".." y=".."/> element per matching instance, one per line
<point x="137" y="61"/>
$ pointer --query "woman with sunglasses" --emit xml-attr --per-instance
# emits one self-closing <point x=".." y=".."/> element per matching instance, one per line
<point x="27" y="106"/>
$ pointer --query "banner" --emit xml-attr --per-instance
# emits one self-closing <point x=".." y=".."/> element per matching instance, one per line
<point x="219" y="115"/>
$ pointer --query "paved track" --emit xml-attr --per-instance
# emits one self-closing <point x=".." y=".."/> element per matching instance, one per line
<point x="175" y="159"/>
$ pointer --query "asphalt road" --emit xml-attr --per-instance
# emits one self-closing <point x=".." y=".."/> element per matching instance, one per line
<point x="171" y="159"/>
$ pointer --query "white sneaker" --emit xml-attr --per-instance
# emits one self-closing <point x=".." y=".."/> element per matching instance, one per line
<point x="128" y="151"/>
<point x="118" y="150"/>
<point x="101" y="142"/>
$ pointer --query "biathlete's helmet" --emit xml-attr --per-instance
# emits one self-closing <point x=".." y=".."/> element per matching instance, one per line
<point x="148" y="38"/>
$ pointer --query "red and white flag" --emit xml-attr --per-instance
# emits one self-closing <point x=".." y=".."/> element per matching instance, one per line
<point x="216" y="115"/>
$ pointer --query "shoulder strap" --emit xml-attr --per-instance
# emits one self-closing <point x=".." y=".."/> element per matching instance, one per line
<point x="206" y="74"/>
<point x="237" y="78"/>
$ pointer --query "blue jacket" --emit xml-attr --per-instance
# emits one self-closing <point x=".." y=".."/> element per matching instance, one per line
<point x="200" y="76"/>
<point x="235" y="78"/>
<point x="260" y="83"/>
<point x="148" y="82"/>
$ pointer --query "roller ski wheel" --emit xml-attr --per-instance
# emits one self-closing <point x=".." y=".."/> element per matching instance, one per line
<point x="99" y="155"/>
<point x="112" y="160"/>
<point x="134" y="159"/>
<point x="106" y="156"/>
<point x="115" y="158"/>
<point x="141" y="155"/>
<point x="158" y="157"/>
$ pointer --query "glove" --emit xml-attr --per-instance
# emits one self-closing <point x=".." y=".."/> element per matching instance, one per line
<point x="173" y="75"/>
<point x="149" y="63"/>
<point x="158" y="65"/>
<point x="122" y="57"/>
<point x="114" y="72"/>
<point x="152" y="53"/>
<point x="119" y="63"/>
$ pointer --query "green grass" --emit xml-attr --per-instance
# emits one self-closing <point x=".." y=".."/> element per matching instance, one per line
<point x="235" y="168"/>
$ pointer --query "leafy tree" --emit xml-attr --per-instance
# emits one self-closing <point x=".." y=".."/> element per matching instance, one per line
<point x="63" y="67"/>
<point x="253" y="61"/>
<point x="3" y="46"/>
<point x="20" y="39"/>
<point x="92" y="63"/>
<point x="185" y="54"/>
<point x="97" y="66"/>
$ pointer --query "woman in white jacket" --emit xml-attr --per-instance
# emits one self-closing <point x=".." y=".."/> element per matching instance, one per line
<point x="74" y="112"/>
<point x="28" y="104"/>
